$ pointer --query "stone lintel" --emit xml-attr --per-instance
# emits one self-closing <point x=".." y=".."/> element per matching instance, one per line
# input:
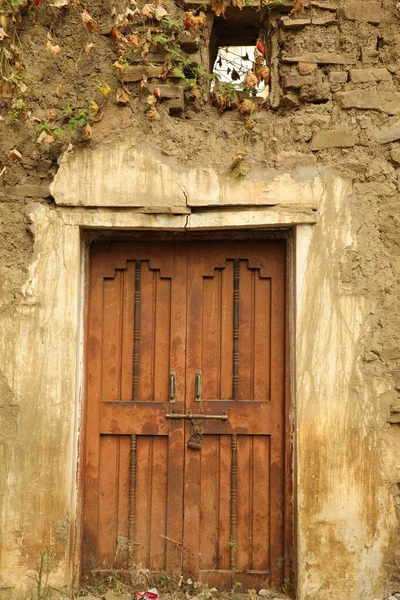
<point x="125" y="175"/>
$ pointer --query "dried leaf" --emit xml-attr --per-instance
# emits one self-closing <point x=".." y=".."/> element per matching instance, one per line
<point x="58" y="90"/>
<point x="133" y="39"/>
<point x="130" y="14"/>
<point x="238" y="3"/>
<point x="246" y="107"/>
<point x="219" y="7"/>
<point x="52" y="114"/>
<point x="59" y="3"/>
<point x="1" y="118"/>
<point x="15" y="155"/>
<point x="53" y="48"/>
<point x="145" y="47"/>
<point x="122" y="96"/>
<point x="192" y="21"/>
<point x="45" y="137"/>
<point x="154" y="114"/>
<point x="86" y="132"/>
<point x="89" y="47"/>
<point x="160" y="13"/>
<point x="148" y="11"/>
<point x="104" y="88"/>
<point x="6" y="88"/>
<point x="264" y="74"/>
<point x="151" y="100"/>
<point x="250" y="80"/>
<point x="89" y="22"/>
<point x="297" y="8"/>
<point x="4" y="35"/>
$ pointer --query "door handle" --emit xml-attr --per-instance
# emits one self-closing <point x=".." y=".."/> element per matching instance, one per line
<point x="172" y="386"/>
<point x="197" y="386"/>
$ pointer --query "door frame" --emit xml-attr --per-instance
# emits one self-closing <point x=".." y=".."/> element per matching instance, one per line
<point x="98" y="236"/>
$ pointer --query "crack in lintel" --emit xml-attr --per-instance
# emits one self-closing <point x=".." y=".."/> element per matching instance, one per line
<point x="182" y="187"/>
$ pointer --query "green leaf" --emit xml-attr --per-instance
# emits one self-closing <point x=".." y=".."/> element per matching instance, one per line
<point x="178" y="73"/>
<point x="161" y="39"/>
<point x="60" y="132"/>
<point x="171" y="22"/>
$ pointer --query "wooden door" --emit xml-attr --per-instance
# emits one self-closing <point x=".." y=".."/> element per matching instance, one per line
<point x="188" y="339"/>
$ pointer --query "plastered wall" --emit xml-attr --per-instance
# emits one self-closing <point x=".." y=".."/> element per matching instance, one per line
<point x="345" y="518"/>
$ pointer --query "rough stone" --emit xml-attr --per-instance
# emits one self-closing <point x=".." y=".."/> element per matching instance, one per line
<point x="188" y="41"/>
<point x="320" y="92"/>
<point x="290" y="100"/>
<point x="338" y="76"/>
<point x="322" y="58"/>
<point x="365" y="12"/>
<point x="387" y="102"/>
<point x="295" y="80"/>
<point x="332" y="139"/>
<point x="289" y="23"/>
<point x="172" y="96"/>
<point x="388" y="134"/>
<point x="367" y="75"/>
<point x="135" y="73"/>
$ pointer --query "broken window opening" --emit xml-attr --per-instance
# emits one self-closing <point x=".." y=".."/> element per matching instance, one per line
<point x="238" y="60"/>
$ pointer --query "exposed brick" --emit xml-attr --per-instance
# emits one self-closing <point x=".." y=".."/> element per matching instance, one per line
<point x="338" y="76"/>
<point x="172" y="96"/>
<point x="289" y="23"/>
<point x="322" y="58"/>
<point x="388" y="134"/>
<point x="387" y="102"/>
<point x="367" y="75"/>
<point x="294" y="80"/>
<point x="333" y="139"/>
<point x="365" y="12"/>
<point x="369" y="55"/>
<point x="138" y="72"/>
<point x="188" y="41"/>
<point x="320" y="92"/>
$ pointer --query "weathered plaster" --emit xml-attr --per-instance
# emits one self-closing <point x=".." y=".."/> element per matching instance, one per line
<point x="127" y="173"/>
<point x="344" y="515"/>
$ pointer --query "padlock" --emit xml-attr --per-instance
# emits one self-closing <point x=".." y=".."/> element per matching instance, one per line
<point x="196" y="439"/>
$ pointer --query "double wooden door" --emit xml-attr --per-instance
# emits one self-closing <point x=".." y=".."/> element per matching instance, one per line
<point x="186" y="434"/>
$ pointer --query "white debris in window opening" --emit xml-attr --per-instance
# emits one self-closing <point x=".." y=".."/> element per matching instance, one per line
<point x="235" y="65"/>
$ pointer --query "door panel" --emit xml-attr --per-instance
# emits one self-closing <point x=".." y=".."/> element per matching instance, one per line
<point x="136" y="334"/>
<point x="236" y="310"/>
<point x="191" y="328"/>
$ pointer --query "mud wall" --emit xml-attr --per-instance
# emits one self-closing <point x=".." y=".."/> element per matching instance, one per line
<point x="322" y="156"/>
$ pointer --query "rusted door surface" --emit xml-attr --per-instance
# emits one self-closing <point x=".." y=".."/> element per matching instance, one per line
<point x="186" y="445"/>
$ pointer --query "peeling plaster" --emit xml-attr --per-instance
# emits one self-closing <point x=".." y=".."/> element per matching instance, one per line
<point x="344" y="515"/>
